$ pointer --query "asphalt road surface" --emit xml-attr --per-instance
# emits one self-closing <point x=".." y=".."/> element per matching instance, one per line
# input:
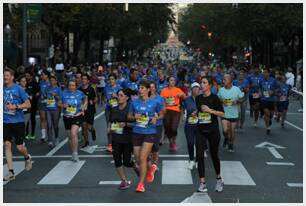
<point x="263" y="169"/>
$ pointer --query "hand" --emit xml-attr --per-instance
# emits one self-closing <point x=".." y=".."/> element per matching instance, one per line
<point x="137" y="116"/>
<point x="194" y="114"/>
<point x="11" y="106"/>
<point x="53" y="94"/>
<point x="82" y="112"/>
<point x="65" y="105"/>
<point x="122" y="124"/>
<point x="114" y="95"/>
<point x="154" y="120"/>
<point x="91" y="102"/>
<point x="205" y="108"/>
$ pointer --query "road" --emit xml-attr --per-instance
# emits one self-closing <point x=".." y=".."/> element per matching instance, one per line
<point x="250" y="174"/>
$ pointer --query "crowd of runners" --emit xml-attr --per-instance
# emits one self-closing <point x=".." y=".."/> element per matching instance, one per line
<point x="144" y="104"/>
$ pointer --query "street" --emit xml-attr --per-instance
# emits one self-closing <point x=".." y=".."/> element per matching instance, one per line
<point x="262" y="169"/>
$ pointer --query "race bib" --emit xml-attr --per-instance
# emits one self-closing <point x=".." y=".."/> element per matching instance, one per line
<point x="266" y="94"/>
<point x="170" y="101"/>
<point x="51" y="102"/>
<point x="193" y="120"/>
<point x="255" y="95"/>
<point x="115" y="127"/>
<point x="204" y="118"/>
<point x="283" y="98"/>
<point x="143" y="121"/>
<point x="71" y="110"/>
<point x="228" y="102"/>
<point x="113" y="102"/>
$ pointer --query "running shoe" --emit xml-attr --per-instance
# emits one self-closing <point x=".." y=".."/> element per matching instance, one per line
<point x="174" y="147"/>
<point x="219" y="185"/>
<point x="140" y="187"/>
<point x="85" y="145"/>
<point x="268" y="131"/>
<point x="32" y="137"/>
<point x="225" y="143"/>
<point x="56" y="142"/>
<point x="93" y="134"/>
<point x="206" y="153"/>
<point x="151" y="172"/>
<point x="74" y="157"/>
<point x="255" y="124"/>
<point x="42" y="140"/>
<point x="124" y="185"/>
<point x="231" y="148"/>
<point x="202" y="187"/>
<point x="10" y="176"/>
<point x="28" y="164"/>
<point x="27" y="137"/>
<point x="191" y="164"/>
<point x="270" y="122"/>
<point x="283" y="126"/>
<point x="109" y="148"/>
<point x="50" y="145"/>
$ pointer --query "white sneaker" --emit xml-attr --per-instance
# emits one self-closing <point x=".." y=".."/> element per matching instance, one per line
<point x="191" y="164"/>
<point x="205" y="154"/>
<point x="75" y="157"/>
<point x="28" y="164"/>
<point x="255" y="124"/>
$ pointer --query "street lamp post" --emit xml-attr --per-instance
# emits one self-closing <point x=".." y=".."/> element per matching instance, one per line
<point x="24" y="35"/>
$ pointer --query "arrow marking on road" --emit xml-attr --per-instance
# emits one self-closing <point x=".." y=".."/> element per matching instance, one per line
<point x="89" y="149"/>
<point x="275" y="153"/>
<point x="268" y="144"/>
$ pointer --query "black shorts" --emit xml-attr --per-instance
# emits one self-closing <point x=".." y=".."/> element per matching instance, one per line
<point x="282" y="106"/>
<point x="100" y="90"/>
<point x="230" y="119"/>
<point x="14" y="131"/>
<point x="267" y="105"/>
<point x="69" y="121"/>
<point x="155" y="147"/>
<point x="253" y="101"/>
<point x="89" y="117"/>
<point x="138" y="139"/>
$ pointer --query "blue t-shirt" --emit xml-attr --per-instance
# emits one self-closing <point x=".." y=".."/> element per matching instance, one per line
<point x="128" y="84"/>
<point x="161" y="86"/>
<point x="108" y="91"/>
<point x="284" y="90"/>
<point x="266" y="86"/>
<point x="190" y="106"/>
<point x="73" y="100"/>
<point x="14" y="94"/>
<point x="229" y="97"/>
<point x="161" y="101"/>
<point x="147" y="110"/>
<point x="43" y="86"/>
<point x="52" y="101"/>
<point x="254" y="83"/>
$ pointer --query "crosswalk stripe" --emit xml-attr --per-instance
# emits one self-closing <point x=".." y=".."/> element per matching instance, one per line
<point x="234" y="173"/>
<point x="281" y="163"/>
<point x="62" y="173"/>
<point x="109" y="182"/>
<point x="295" y="184"/>
<point x="18" y="168"/>
<point x="176" y="172"/>
<point x="198" y="198"/>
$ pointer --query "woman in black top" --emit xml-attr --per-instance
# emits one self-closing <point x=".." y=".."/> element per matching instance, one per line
<point x="121" y="131"/>
<point x="209" y="109"/>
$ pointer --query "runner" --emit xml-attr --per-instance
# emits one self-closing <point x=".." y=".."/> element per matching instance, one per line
<point x="159" y="125"/>
<point x="74" y="104"/>
<point x="191" y="123"/>
<point x="44" y="84"/>
<point x="243" y="84"/>
<point x="111" y="91"/>
<point x="132" y="83"/>
<point x="15" y="99"/>
<point x="101" y="85"/>
<point x="121" y="131"/>
<point x="146" y="112"/>
<point x="231" y="96"/>
<point x="268" y="89"/>
<point x="283" y="99"/>
<point x="209" y="109"/>
<point x="254" y="93"/>
<point x="89" y="116"/>
<point x="54" y="93"/>
<point x="172" y="97"/>
<point x="33" y="86"/>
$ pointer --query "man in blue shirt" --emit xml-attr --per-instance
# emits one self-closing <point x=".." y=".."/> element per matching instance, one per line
<point x="132" y="83"/>
<point x="268" y="87"/>
<point x="15" y="99"/>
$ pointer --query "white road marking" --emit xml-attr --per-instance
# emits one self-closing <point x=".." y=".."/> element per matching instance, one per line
<point x="275" y="153"/>
<point x="55" y="149"/>
<point x="234" y="173"/>
<point x="268" y="144"/>
<point x="295" y="184"/>
<point x="280" y="163"/>
<point x="176" y="172"/>
<point x="198" y="197"/>
<point x="109" y="182"/>
<point x="89" y="149"/>
<point x="293" y="125"/>
<point x="18" y="167"/>
<point x="62" y="173"/>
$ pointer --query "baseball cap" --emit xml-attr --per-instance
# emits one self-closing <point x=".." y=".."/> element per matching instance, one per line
<point x="195" y="84"/>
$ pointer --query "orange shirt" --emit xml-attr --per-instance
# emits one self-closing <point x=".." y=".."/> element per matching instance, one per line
<point x="170" y="97"/>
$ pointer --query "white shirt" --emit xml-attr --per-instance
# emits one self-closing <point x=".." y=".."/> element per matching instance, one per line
<point x="59" y="67"/>
<point x="290" y="78"/>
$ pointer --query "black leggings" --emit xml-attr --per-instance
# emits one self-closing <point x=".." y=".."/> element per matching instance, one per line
<point x="122" y="154"/>
<point x="171" y="123"/>
<point x="213" y="137"/>
<point x="33" y="120"/>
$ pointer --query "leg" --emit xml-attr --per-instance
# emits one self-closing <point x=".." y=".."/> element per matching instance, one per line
<point x="200" y="155"/>
<point x="144" y="153"/>
<point x="74" y="138"/>
<point x="8" y="154"/>
<point x="33" y="119"/>
<point x="214" y="140"/>
<point x="232" y="131"/>
<point x="189" y="134"/>
<point x="50" y="125"/>
<point x="176" y="116"/>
